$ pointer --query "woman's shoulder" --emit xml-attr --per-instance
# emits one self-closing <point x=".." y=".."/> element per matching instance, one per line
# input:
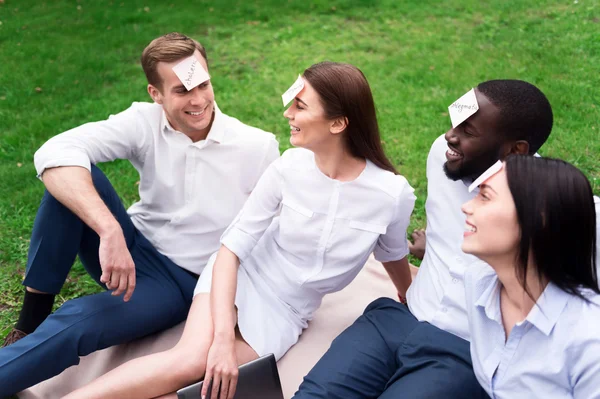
<point x="394" y="185"/>
<point x="588" y="306"/>
<point x="297" y="158"/>
<point x="580" y="320"/>
<point x="577" y="336"/>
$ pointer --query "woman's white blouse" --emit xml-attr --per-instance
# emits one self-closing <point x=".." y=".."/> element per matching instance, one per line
<point x="553" y="353"/>
<point x="306" y="234"/>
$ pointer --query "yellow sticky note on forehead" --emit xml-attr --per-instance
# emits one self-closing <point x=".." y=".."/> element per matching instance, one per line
<point x="190" y="72"/>
<point x="463" y="108"/>
<point x="293" y="91"/>
<point x="495" y="168"/>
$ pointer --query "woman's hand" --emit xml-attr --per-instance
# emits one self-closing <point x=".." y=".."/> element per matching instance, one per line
<point x="222" y="368"/>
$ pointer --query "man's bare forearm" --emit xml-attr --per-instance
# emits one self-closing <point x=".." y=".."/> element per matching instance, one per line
<point x="72" y="186"/>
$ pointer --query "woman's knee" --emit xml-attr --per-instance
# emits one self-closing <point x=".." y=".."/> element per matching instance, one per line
<point x="189" y="362"/>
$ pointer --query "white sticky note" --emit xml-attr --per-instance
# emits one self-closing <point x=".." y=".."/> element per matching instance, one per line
<point x="190" y="72"/>
<point x="495" y="168"/>
<point x="293" y="91"/>
<point x="462" y="108"/>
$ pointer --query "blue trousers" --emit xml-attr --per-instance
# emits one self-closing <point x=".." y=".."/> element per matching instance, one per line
<point x="387" y="353"/>
<point x="161" y="299"/>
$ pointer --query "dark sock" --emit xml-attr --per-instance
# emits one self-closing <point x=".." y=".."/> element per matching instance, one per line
<point x="36" y="307"/>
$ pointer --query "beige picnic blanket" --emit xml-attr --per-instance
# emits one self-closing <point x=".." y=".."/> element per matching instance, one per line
<point x="337" y="312"/>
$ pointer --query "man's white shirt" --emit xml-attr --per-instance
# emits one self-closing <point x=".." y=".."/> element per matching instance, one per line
<point x="437" y="295"/>
<point x="189" y="192"/>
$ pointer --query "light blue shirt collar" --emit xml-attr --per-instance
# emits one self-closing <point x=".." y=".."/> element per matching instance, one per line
<point x="548" y="309"/>
<point x="487" y="296"/>
<point x="543" y="316"/>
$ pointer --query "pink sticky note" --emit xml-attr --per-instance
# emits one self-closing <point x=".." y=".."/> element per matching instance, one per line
<point x="463" y="108"/>
<point x="293" y="91"/>
<point x="190" y="72"/>
<point x="495" y="168"/>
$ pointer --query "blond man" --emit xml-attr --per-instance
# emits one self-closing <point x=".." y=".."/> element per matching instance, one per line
<point x="197" y="166"/>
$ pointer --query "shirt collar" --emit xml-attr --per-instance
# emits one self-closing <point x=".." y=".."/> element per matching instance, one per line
<point x="548" y="308"/>
<point x="165" y="125"/>
<point x="487" y="295"/>
<point x="217" y="130"/>
<point x="544" y="315"/>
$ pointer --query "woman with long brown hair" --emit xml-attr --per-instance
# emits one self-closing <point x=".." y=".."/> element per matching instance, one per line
<point x="306" y="230"/>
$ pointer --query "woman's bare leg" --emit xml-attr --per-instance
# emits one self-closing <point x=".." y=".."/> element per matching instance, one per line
<point x="164" y="372"/>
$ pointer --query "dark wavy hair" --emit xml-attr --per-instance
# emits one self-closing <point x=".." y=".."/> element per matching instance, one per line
<point x="345" y="92"/>
<point x="557" y="218"/>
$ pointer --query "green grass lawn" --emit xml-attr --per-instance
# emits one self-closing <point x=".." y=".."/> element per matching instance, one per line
<point x="64" y="63"/>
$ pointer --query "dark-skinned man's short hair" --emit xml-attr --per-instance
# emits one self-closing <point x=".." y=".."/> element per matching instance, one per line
<point x="525" y="112"/>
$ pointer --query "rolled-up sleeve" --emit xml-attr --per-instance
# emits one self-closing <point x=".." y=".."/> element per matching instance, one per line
<point x="393" y="245"/>
<point x="118" y="137"/>
<point x="257" y="213"/>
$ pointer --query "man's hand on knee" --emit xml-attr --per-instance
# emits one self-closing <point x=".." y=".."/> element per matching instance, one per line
<point x="118" y="269"/>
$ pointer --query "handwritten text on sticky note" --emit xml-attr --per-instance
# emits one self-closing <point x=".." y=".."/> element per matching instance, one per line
<point x="463" y="108"/>
<point x="293" y="91"/>
<point x="190" y="72"/>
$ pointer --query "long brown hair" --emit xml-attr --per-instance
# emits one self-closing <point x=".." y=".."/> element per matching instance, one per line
<point x="345" y="92"/>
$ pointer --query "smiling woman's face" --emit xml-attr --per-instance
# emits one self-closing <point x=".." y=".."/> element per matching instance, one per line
<point x="492" y="229"/>
<point x="309" y="127"/>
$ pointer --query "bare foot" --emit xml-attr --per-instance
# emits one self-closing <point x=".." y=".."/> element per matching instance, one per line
<point x="417" y="247"/>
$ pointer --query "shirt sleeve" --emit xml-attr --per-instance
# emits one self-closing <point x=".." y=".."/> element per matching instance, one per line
<point x="271" y="154"/>
<point x="586" y="370"/>
<point x="393" y="245"/>
<point x="118" y="137"/>
<point x="256" y="214"/>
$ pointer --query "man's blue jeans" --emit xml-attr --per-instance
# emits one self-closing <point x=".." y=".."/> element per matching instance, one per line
<point x="161" y="299"/>
<point x="387" y="353"/>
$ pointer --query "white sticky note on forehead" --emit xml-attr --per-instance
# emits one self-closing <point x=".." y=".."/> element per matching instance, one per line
<point x="293" y="91"/>
<point x="190" y="72"/>
<point x="463" y="108"/>
<point x="495" y="168"/>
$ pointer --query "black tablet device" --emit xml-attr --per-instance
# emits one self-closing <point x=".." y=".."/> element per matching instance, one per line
<point x="257" y="379"/>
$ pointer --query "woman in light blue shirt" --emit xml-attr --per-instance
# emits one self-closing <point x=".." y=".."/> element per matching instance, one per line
<point x="534" y="307"/>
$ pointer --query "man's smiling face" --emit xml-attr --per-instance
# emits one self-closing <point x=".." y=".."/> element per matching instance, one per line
<point x="190" y="112"/>
<point x="476" y="144"/>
